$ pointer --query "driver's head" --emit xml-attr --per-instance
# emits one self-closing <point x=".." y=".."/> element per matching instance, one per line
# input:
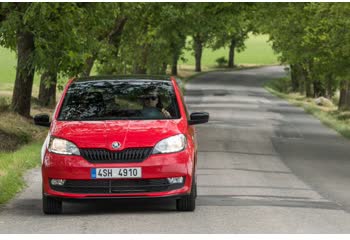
<point x="151" y="99"/>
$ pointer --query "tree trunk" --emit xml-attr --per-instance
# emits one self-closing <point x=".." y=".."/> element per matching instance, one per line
<point x="89" y="63"/>
<point x="22" y="91"/>
<point x="301" y="78"/>
<point x="176" y="49"/>
<point x="344" y="99"/>
<point x="318" y="89"/>
<point x="231" y="55"/>
<point x="294" y="72"/>
<point x="198" y="49"/>
<point x="141" y="66"/>
<point x="174" y="69"/>
<point x="47" y="91"/>
<point x="330" y="89"/>
<point x="174" y="64"/>
<point x="140" y="69"/>
<point x="307" y="82"/>
<point x="163" y="68"/>
<point x="115" y="35"/>
<point x="308" y="91"/>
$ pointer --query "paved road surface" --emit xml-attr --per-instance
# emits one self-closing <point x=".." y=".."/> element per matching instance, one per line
<point x="264" y="167"/>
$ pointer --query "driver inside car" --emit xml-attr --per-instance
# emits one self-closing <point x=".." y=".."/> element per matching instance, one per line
<point x="153" y="107"/>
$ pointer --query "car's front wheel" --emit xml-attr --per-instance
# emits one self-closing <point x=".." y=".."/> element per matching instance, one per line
<point x="51" y="205"/>
<point x="188" y="203"/>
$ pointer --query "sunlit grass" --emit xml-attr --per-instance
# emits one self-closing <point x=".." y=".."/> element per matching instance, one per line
<point x="258" y="52"/>
<point x="7" y="67"/>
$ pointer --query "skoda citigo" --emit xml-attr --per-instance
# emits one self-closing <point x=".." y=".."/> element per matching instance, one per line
<point x="120" y="137"/>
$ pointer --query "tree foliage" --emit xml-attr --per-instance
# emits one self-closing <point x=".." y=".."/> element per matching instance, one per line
<point x="314" y="39"/>
<point x="68" y="39"/>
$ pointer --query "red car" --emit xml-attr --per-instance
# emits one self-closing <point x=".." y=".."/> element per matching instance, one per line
<point x="120" y="137"/>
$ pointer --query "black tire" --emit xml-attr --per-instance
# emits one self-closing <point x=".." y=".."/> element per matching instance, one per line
<point x="51" y="205"/>
<point x="188" y="203"/>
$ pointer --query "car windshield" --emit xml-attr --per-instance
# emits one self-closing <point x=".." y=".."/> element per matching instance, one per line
<point x="119" y="99"/>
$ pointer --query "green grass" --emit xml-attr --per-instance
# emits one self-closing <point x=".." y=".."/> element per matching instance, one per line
<point x="258" y="52"/>
<point x="7" y="65"/>
<point x="8" y="62"/>
<point x="328" y="115"/>
<point x="20" y="140"/>
<point x="16" y="131"/>
<point x="12" y="167"/>
<point x="7" y="69"/>
<point x="20" y="144"/>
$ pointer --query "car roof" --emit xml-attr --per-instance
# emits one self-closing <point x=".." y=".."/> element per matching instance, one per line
<point x="123" y="77"/>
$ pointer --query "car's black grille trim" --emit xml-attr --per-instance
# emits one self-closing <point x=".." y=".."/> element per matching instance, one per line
<point x="95" y="186"/>
<point x="128" y="155"/>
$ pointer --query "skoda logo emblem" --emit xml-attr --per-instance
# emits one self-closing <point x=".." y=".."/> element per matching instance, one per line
<point x="116" y="145"/>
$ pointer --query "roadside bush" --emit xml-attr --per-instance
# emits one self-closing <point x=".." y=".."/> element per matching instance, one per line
<point x="222" y="62"/>
<point x="16" y="131"/>
<point x="282" y="85"/>
<point x="4" y="104"/>
<point x="345" y="116"/>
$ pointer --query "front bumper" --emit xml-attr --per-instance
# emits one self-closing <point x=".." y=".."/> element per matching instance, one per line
<point x="154" y="168"/>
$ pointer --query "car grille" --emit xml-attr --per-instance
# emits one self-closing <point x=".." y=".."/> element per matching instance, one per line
<point x="128" y="155"/>
<point x="116" y="186"/>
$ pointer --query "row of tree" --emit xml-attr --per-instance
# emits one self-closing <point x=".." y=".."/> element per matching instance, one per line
<point x="314" y="39"/>
<point x="67" y="39"/>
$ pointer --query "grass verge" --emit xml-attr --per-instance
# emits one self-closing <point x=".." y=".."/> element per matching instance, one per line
<point x="16" y="131"/>
<point x="328" y="115"/>
<point x="20" y="144"/>
<point x="12" y="167"/>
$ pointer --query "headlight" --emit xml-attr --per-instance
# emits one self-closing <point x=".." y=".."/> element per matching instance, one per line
<point x="172" y="144"/>
<point x="61" y="146"/>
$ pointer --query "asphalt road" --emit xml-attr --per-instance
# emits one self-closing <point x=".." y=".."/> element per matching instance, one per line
<point x="264" y="167"/>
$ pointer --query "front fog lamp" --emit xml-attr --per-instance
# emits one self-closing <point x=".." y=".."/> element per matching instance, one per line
<point x="175" y="180"/>
<point x="57" y="182"/>
<point x="172" y="144"/>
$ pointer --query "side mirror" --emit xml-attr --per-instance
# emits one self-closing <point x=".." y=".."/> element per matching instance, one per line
<point x="42" y="120"/>
<point x="198" y="118"/>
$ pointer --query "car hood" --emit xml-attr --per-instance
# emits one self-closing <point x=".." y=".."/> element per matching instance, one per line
<point x="129" y="133"/>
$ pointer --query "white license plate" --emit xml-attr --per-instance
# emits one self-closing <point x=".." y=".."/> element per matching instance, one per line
<point x="116" y="173"/>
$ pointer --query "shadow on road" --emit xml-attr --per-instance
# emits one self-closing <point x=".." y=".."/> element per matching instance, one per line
<point x="32" y="207"/>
